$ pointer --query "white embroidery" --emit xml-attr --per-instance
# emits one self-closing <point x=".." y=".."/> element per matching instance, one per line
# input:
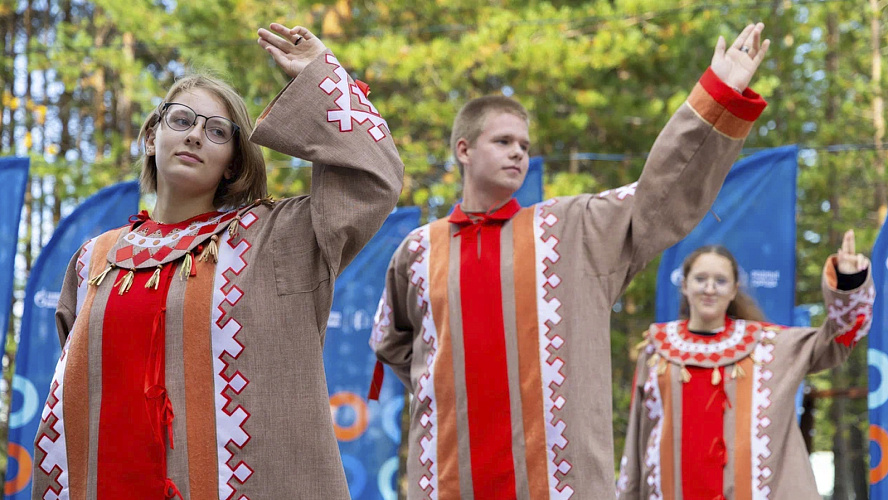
<point x="552" y="375"/>
<point x="345" y="114"/>
<point x="420" y="244"/>
<point x="761" y="402"/>
<point x="674" y="338"/>
<point x="654" y="404"/>
<point x="229" y="421"/>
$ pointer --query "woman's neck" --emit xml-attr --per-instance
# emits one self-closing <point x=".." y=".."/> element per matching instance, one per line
<point x="170" y="211"/>
<point x="698" y="324"/>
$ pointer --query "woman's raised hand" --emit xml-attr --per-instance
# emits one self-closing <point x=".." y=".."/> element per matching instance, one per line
<point x="735" y="65"/>
<point x="292" y="48"/>
<point x="850" y="262"/>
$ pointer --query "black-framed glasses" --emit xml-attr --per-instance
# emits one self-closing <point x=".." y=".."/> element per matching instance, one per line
<point x="180" y="117"/>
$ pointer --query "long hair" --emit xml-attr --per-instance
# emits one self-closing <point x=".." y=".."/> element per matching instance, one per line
<point x="248" y="181"/>
<point x="742" y="307"/>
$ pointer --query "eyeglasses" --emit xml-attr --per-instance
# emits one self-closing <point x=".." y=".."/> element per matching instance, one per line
<point x="721" y="285"/>
<point x="180" y="117"/>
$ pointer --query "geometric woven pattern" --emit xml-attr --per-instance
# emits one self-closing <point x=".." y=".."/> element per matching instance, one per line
<point x="674" y="342"/>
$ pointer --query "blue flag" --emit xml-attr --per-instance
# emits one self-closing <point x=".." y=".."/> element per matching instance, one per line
<point x="13" y="179"/>
<point x="39" y="348"/>
<point x="757" y="210"/>
<point x="877" y="358"/>
<point x="532" y="190"/>
<point x="368" y="434"/>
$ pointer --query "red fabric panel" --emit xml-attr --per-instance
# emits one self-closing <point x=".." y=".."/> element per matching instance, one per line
<point x="703" y="454"/>
<point x="487" y="382"/>
<point x="130" y="455"/>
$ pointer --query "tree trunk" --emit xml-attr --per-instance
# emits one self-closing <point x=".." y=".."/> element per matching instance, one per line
<point x="878" y="109"/>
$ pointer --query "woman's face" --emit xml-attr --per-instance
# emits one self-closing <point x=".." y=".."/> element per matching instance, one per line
<point x="188" y="164"/>
<point x="709" y="287"/>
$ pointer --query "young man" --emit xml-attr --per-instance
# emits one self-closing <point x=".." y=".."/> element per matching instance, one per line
<point x="497" y="318"/>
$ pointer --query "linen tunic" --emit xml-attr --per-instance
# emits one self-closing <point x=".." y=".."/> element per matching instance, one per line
<point x="727" y="428"/>
<point x="242" y="337"/>
<point x="500" y="328"/>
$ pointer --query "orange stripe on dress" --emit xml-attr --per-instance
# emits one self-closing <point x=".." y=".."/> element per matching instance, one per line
<point x="200" y="430"/>
<point x="445" y="393"/>
<point x="743" y="433"/>
<point x="716" y="115"/>
<point x="527" y="329"/>
<point x="76" y="389"/>
<point x="667" y="438"/>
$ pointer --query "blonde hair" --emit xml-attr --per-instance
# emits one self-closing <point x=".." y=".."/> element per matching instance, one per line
<point x="742" y="307"/>
<point x="470" y="120"/>
<point x="248" y="180"/>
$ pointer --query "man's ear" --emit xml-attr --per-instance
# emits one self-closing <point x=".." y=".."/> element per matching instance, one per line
<point x="462" y="151"/>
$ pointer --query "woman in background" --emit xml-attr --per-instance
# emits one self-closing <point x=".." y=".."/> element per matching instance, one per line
<point x="713" y="405"/>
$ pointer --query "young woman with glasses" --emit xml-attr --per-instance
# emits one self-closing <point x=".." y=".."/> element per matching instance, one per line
<point x="192" y="336"/>
<point x="713" y="405"/>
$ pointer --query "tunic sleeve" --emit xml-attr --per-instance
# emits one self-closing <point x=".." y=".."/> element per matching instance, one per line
<point x="393" y="331"/>
<point x="848" y="320"/>
<point x="323" y="117"/>
<point x="67" y="306"/>
<point x="628" y="226"/>
<point x="629" y="481"/>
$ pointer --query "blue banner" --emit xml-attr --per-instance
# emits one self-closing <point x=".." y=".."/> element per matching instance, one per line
<point x="368" y="433"/>
<point x="532" y="190"/>
<point x="756" y="206"/>
<point x="39" y="349"/>
<point x="877" y="358"/>
<point x="13" y="180"/>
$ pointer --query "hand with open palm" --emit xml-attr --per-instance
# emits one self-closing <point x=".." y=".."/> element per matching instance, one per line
<point x="735" y="65"/>
<point x="292" y="48"/>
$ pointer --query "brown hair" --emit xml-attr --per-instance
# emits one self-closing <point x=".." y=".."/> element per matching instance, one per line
<point x="470" y="120"/>
<point x="742" y="307"/>
<point x="248" y="180"/>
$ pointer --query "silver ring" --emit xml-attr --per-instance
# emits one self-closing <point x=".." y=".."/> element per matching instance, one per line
<point x="744" y="49"/>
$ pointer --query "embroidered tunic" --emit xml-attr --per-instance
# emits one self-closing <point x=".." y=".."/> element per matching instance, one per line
<point x="198" y="349"/>
<point x="500" y="327"/>
<point x="714" y="417"/>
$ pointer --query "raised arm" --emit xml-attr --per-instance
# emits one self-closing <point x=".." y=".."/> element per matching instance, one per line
<point x="848" y="294"/>
<point x="324" y="117"/>
<point x="685" y="169"/>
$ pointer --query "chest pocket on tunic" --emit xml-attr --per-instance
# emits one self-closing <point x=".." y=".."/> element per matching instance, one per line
<point x="298" y="265"/>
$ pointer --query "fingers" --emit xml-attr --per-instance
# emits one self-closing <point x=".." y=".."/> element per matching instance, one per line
<point x="268" y="39"/>
<point x="760" y="55"/>
<point x="719" y="50"/>
<point x="741" y="38"/>
<point x="848" y="242"/>
<point x="862" y="262"/>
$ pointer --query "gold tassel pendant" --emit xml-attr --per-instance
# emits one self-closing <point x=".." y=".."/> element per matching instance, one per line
<point x="154" y="280"/>
<point x="97" y="279"/>
<point x="233" y="225"/>
<point x="211" y="250"/>
<point x="125" y="282"/>
<point x="685" y="374"/>
<point x="187" y="263"/>
<point x="653" y="360"/>
<point x="716" y="376"/>
<point x="661" y="368"/>
<point x="737" y="371"/>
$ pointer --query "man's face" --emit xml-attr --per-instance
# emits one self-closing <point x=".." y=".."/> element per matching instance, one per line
<point x="497" y="163"/>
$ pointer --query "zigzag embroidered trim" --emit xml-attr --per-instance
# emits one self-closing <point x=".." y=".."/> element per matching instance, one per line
<point x="653" y="402"/>
<point x="55" y="463"/>
<point x="345" y="114"/>
<point x="420" y="245"/>
<point x="761" y="401"/>
<point x="229" y="421"/>
<point x="550" y="344"/>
